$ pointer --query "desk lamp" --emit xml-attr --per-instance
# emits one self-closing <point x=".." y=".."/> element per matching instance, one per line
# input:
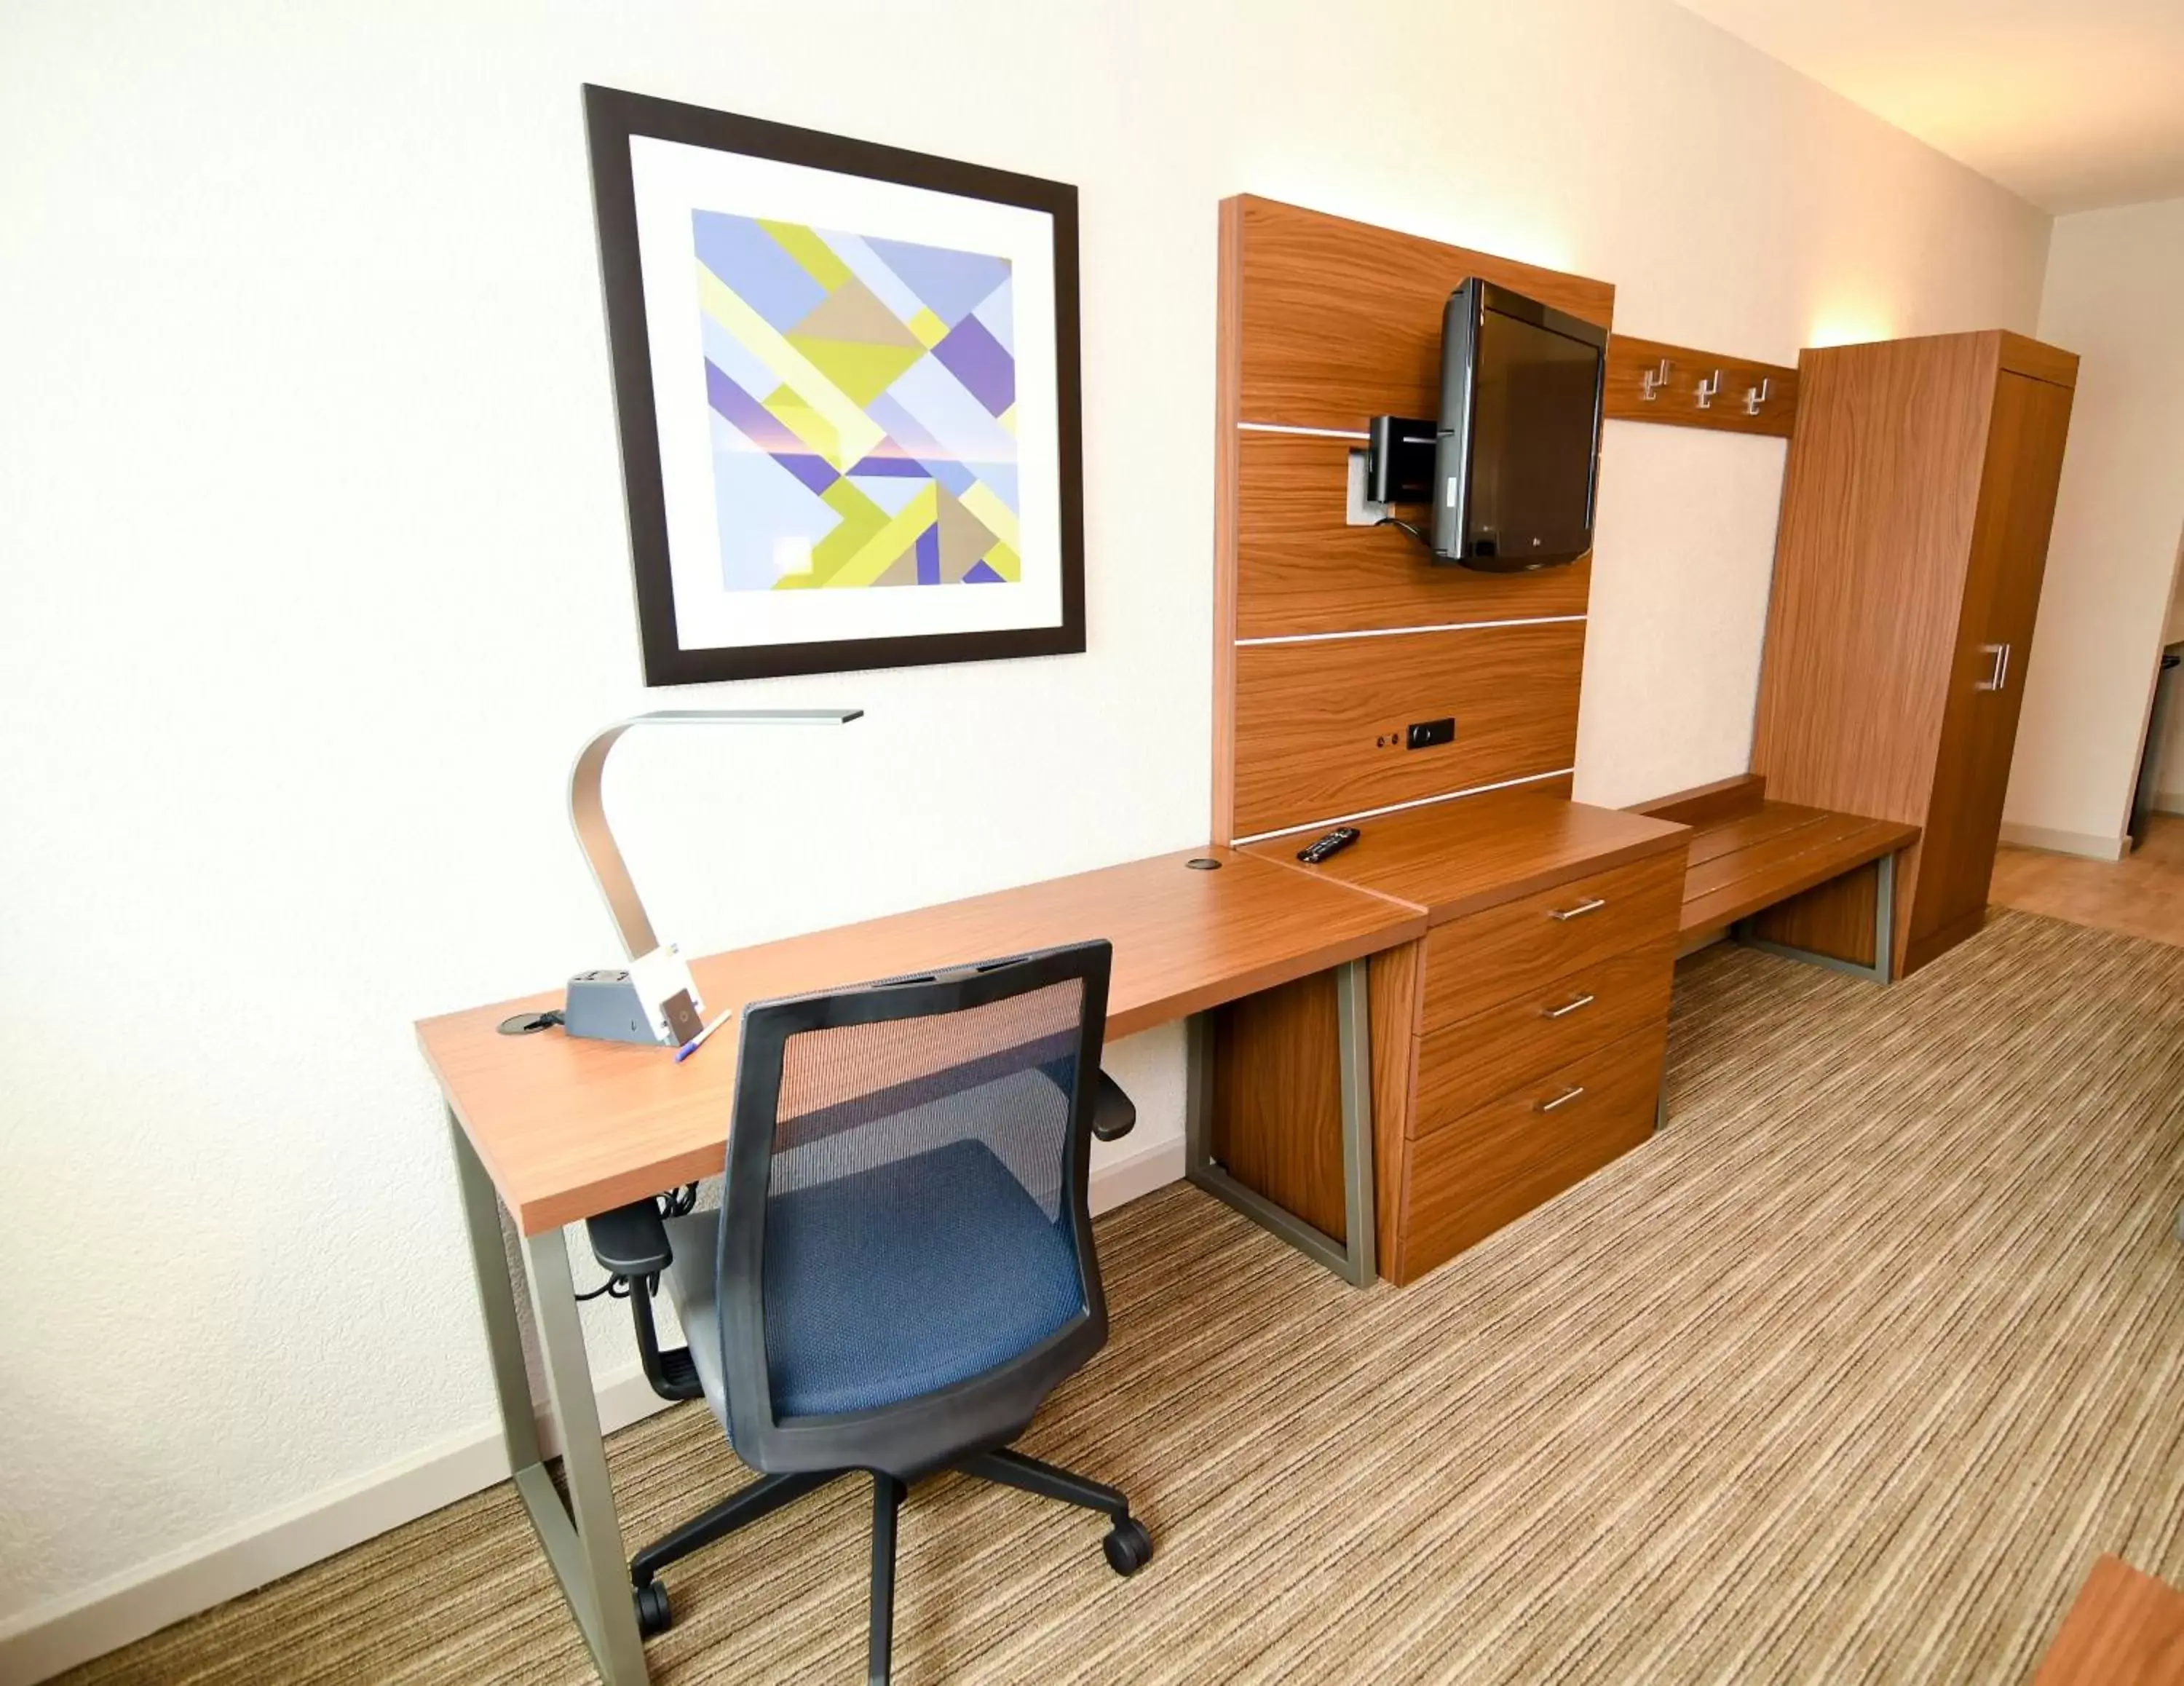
<point x="608" y="1004"/>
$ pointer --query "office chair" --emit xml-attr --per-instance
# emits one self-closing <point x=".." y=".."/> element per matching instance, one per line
<point x="902" y="1267"/>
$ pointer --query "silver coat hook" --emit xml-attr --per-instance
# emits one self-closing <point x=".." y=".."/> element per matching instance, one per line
<point x="1651" y="382"/>
<point x="1708" y="389"/>
<point x="1756" y="396"/>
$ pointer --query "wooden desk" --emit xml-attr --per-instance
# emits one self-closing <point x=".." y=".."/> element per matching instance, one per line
<point x="556" y="1129"/>
<point x="2125" y="1629"/>
<point x="1184" y="940"/>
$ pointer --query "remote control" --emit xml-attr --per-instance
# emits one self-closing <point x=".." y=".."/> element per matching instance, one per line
<point x="1333" y="843"/>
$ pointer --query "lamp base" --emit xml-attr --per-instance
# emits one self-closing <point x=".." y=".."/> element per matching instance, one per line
<point x="604" y="1005"/>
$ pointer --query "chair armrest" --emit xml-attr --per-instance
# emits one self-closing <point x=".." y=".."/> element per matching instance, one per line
<point x="631" y="1240"/>
<point x="1114" y="1116"/>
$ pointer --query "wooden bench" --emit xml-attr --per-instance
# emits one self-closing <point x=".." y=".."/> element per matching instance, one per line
<point x="1748" y="854"/>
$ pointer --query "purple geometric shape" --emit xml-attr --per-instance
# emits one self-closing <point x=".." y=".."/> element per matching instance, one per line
<point x="751" y="263"/>
<point x="952" y="284"/>
<point x="977" y="359"/>
<point x="888" y="458"/>
<point x="764" y="429"/>
<point x="928" y="556"/>
<point x="815" y="472"/>
<point x="754" y="420"/>
<point x="978" y="574"/>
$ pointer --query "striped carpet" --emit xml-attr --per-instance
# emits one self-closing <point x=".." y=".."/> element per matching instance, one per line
<point x="1847" y="1376"/>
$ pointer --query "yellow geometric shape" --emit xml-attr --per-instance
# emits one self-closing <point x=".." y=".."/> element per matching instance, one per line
<point x="855" y="433"/>
<point x="863" y="370"/>
<point x="880" y="551"/>
<point x="811" y="253"/>
<point x="860" y="519"/>
<point x="1005" y="562"/>
<point x="929" y="328"/>
<point x="1000" y="520"/>
<point x="804" y="422"/>
<point x="1007" y="417"/>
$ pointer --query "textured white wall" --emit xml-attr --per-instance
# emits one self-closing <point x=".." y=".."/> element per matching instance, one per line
<point x="2113" y="281"/>
<point x="313" y="577"/>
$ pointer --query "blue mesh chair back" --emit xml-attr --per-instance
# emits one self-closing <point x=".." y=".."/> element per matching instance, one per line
<point x="905" y="1266"/>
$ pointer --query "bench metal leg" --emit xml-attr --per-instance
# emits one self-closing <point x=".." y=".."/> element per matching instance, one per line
<point x="1882" y="971"/>
<point x="582" y="1539"/>
<point x="1353" y="1260"/>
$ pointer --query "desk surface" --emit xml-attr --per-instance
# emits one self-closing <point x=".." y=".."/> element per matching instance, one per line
<point x="2125" y="1629"/>
<point x="1454" y="857"/>
<point x="568" y="1129"/>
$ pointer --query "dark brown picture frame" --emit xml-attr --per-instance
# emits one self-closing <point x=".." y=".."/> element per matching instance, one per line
<point x="611" y="118"/>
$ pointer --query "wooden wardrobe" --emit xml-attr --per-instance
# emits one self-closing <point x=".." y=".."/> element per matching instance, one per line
<point x="1916" y="513"/>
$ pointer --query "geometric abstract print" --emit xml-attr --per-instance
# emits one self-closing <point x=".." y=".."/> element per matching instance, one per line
<point x="863" y="397"/>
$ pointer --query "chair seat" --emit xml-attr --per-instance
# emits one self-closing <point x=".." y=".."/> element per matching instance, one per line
<point x="887" y="1284"/>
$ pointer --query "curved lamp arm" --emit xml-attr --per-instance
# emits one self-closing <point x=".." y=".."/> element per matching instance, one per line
<point x="588" y="815"/>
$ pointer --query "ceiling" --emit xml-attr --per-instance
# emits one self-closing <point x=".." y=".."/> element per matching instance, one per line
<point x="2068" y="103"/>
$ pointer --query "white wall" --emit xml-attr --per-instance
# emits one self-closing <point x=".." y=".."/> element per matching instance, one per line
<point x="313" y="577"/>
<point x="2115" y="278"/>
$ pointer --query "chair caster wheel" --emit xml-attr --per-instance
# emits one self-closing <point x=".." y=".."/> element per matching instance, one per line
<point x="1129" y="1547"/>
<point x="653" y="1614"/>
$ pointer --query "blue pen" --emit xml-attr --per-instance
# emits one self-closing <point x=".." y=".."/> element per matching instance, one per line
<point x="698" y="1041"/>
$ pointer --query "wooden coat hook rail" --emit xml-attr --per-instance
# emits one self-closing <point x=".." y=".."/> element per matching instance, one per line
<point x="1650" y="381"/>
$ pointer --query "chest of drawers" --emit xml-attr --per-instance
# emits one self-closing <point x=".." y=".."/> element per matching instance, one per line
<point x="1517" y="1047"/>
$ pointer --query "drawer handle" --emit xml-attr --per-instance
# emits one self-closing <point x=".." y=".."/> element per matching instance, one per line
<point x="1561" y="1100"/>
<point x="1590" y="904"/>
<point x="1567" y="1008"/>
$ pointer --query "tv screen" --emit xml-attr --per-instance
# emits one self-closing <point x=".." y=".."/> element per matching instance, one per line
<point x="1518" y="450"/>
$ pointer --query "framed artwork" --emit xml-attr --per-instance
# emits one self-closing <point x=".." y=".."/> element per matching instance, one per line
<point x="846" y="377"/>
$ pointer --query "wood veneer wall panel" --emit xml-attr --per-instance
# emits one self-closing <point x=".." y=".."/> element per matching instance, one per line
<point x="1835" y="918"/>
<point x="1319" y="726"/>
<point x="1708" y="804"/>
<point x="1226" y="473"/>
<point x="1677" y="403"/>
<point x="1301" y="568"/>
<point x="1341" y="320"/>
<point x="1277" y="1121"/>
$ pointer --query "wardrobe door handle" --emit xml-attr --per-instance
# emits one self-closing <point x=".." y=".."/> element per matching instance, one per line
<point x="1997" y="671"/>
<point x="1590" y="904"/>
<point x="1567" y="1008"/>
<point x="1561" y="1100"/>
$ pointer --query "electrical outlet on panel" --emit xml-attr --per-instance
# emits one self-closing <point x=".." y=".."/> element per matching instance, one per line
<point x="1362" y="512"/>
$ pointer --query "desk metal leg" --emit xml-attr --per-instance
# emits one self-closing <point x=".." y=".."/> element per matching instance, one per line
<point x="582" y="1539"/>
<point x="1882" y="971"/>
<point x="1354" y="1262"/>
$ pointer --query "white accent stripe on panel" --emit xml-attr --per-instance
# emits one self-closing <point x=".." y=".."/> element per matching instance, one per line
<point x="1308" y="432"/>
<point x="1398" y="807"/>
<point x="1397" y="631"/>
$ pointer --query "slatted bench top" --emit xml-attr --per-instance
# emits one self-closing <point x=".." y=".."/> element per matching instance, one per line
<point x="1747" y="853"/>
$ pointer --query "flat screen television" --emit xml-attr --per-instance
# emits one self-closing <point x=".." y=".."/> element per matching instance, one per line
<point x="1517" y="451"/>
